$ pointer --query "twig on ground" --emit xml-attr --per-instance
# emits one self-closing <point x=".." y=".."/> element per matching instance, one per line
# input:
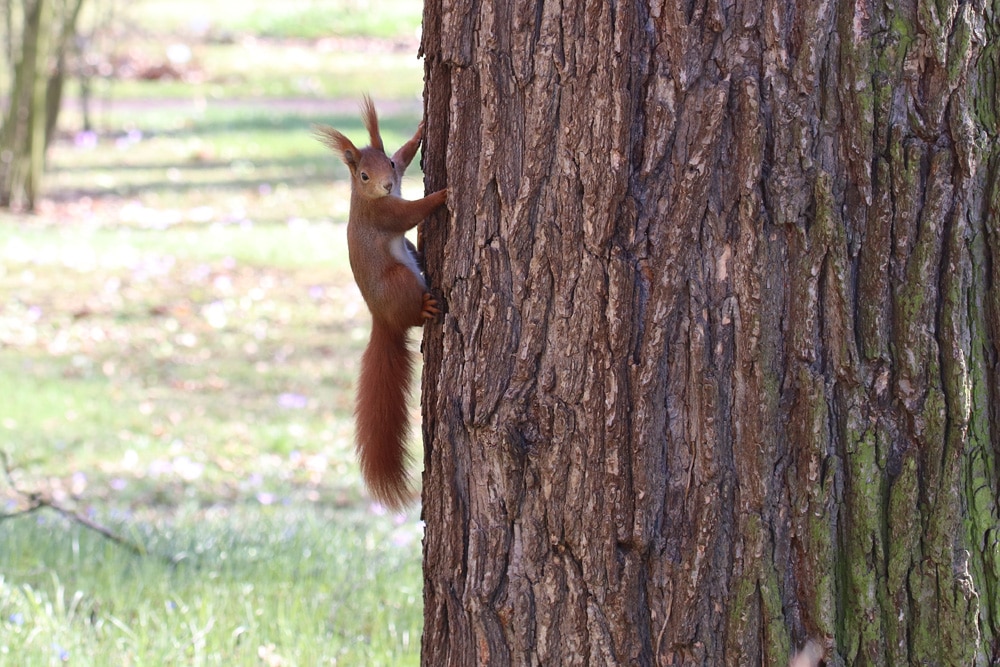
<point x="35" y="500"/>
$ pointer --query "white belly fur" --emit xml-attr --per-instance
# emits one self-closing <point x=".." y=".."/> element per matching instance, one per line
<point x="397" y="247"/>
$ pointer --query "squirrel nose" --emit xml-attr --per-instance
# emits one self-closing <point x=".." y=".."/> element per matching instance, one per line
<point x="388" y="186"/>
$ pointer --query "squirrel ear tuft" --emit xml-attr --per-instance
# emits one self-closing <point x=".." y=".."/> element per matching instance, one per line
<point x="371" y="122"/>
<point x="338" y="143"/>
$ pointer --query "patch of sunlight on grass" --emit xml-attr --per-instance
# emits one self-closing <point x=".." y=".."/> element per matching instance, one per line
<point x="245" y="585"/>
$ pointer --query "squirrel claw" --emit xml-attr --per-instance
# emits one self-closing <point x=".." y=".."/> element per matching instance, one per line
<point x="429" y="308"/>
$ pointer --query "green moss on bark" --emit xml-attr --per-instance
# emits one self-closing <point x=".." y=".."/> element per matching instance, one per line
<point x="979" y="485"/>
<point x="862" y="557"/>
<point x="903" y="551"/>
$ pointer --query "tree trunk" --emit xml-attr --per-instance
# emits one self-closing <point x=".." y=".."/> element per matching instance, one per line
<point x="22" y="141"/>
<point x="718" y="371"/>
<point x="57" y="78"/>
<point x="35" y="99"/>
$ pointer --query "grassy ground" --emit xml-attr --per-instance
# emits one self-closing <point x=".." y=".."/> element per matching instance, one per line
<point x="179" y="337"/>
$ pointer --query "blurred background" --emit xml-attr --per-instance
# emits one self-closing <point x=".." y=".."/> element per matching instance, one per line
<point x="180" y="335"/>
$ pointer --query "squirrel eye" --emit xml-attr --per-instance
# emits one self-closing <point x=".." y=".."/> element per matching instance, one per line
<point x="392" y="164"/>
<point x="364" y="177"/>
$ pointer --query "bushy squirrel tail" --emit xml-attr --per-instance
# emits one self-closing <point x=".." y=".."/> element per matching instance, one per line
<point x="381" y="413"/>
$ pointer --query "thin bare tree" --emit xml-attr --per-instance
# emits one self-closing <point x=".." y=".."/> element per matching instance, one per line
<point x="38" y="33"/>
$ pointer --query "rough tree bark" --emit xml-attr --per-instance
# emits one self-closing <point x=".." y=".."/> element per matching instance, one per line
<point x="719" y="367"/>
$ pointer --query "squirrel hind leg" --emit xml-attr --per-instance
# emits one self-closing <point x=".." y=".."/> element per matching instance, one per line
<point x="429" y="310"/>
<point x="401" y="301"/>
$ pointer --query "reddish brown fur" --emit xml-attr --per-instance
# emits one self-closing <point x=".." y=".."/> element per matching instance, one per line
<point x="396" y="296"/>
<point x="381" y="414"/>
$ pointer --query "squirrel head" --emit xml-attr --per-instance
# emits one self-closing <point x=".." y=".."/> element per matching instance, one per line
<point x="373" y="173"/>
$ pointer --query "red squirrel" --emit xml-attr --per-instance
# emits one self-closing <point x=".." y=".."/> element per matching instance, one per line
<point x="386" y="271"/>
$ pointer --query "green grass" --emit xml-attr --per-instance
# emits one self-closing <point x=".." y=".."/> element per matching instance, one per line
<point x="193" y="384"/>
<point x="179" y="340"/>
<point x="287" y="588"/>
<point x="305" y="19"/>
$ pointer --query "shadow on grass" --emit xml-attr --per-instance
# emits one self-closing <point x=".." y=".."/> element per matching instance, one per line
<point x="312" y="167"/>
<point x="290" y="164"/>
<point x="253" y="121"/>
<point x="179" y="187"/>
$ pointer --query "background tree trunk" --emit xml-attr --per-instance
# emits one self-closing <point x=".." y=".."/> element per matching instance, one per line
<point x="35" y="97"/>
<point x="22" y="141"/>
<point x="65" y="44"/>
<point x="719" y="367"/>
